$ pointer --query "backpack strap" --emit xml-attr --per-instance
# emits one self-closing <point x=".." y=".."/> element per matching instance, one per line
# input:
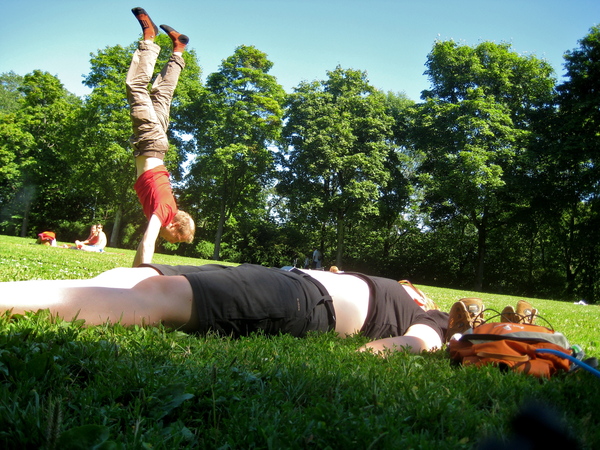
<point x="516" y="358"/>
<point x="574" y="360"/>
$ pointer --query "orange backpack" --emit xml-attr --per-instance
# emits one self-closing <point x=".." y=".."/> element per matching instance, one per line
<point x="512" y="345"/>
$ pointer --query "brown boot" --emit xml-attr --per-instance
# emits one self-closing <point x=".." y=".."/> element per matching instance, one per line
<point x="464" y="314"/>
<point x="149" y="29"/>
<point x="525" y="313"/>
<point x="179" y="40"/>
<point x="509" y="315"/>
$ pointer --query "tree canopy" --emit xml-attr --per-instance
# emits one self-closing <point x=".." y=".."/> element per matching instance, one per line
<point x="489" y="182"/>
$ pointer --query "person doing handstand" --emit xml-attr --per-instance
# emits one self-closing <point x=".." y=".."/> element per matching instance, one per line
<point x="150" y="119"/>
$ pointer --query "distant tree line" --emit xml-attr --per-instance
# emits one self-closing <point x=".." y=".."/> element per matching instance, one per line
<point x="491" y="182"/>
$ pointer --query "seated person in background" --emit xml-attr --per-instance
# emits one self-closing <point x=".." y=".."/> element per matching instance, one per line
<point x="239" y="300"/>
<point x="95" y="242"/>
<point x="91" y="239"/>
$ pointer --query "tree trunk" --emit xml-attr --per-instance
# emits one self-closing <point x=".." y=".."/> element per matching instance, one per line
<point x="27" y="194"/>
<point x="530" y="264"/>
<point x="481" y="249"/>
<point x="219" y="234"/>
<point x="341" y="234"/>
<point x="569" y="272"/>
<point x="25" y="223"/>
<point x="114" y="235"/>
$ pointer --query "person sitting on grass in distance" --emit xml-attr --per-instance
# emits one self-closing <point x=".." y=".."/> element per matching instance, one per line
<point x="92" y="237"/>
<point x="149" y="112"/>
<point x="95" y="242"/>
<point x="47" y="238"/>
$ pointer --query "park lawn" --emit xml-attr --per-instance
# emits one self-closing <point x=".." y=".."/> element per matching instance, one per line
<point x="63" y="384"/>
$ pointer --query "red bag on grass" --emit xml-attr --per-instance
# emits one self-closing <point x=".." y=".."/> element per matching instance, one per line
<point x="46" y="237"/>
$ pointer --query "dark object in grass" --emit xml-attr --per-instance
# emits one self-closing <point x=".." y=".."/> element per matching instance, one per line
<point x="536" y="426"/>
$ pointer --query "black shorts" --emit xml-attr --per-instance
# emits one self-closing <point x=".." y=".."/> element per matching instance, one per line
<point x="392" y="311"/>
<point x="239" y="300"/>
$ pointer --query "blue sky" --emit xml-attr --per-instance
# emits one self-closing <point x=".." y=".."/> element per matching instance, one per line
<point x="389" y="39"/>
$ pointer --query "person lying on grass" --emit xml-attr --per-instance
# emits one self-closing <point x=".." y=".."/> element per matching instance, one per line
<point x="239" y="300"/>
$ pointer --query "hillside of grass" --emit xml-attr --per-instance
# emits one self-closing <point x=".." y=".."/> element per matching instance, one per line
<point x="64" y="384"/>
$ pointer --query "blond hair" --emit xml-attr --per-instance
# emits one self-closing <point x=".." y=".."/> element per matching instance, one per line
<point x="418" y="296"/>
<point x="185" y="227"/>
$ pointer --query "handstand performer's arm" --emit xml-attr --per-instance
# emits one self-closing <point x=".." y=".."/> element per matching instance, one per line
<point x="145" y="250"/>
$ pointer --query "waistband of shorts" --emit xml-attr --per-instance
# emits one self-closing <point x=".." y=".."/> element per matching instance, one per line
<point x="150" y="153"/>
<point x="149" y="148"/>
<point x="325" y="299"/>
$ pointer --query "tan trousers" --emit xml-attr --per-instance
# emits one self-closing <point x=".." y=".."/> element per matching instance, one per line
<point x="150" y="109"/>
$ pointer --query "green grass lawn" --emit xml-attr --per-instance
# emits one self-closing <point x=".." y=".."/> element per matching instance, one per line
<point x="63" y="384"/>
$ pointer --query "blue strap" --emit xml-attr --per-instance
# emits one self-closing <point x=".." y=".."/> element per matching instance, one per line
<point x="570" y="358"/>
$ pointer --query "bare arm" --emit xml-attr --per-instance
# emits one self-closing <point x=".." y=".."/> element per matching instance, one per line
<point x="130" y="296"/>
<point x="417" y="338"/>
<point x="145" y="250"/>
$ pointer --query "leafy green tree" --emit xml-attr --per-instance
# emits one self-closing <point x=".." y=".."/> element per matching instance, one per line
<point x="105" y="167"/>
<point x="336" y="142"/>
<point x="396" y="202"/>
<point x="15" y="148"/>
<point x="37" y="139"/>
<point x="10" y="95"/>
<point x="14" y="143"/>
<point x="378" y="243"/>
<point x="474" y="130"/>
<point x="579" y="100"/>
<point x="233" y="123"/>
<point x="574" y="193"/>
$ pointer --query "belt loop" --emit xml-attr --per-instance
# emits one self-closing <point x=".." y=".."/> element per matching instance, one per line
<point x="326" y="299"/>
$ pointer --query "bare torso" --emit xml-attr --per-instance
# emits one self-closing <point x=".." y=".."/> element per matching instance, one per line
<point x="350" y="299"/>
<point x="144" y="163"/>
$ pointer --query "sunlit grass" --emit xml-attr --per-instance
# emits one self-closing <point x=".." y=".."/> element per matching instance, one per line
<point x="62" y="383"/>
